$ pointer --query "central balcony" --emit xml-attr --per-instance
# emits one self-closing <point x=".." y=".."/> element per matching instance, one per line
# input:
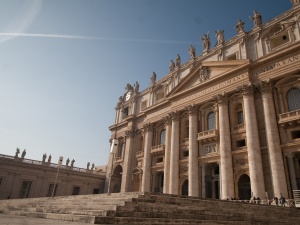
<point x="290" y="118"/>
<point x="208" y="136"/>
<point x="157" y="150"/>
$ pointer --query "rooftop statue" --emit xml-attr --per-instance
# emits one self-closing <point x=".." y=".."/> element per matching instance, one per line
<point x="178" y="61"/>
<point x="205" y="42"/>
<point x="23" y="154"/>
<point x="136" y="87"/>
<point x="192" y="51"/>
<point x="220" y="36"/>
<point x="153" y="78"/>
<point x="240" y="26"/>
<point x="257" y="19"/>
<point x="295" y="2"/>
<point x="172" y="66"/>
<point x="49" y="158"/>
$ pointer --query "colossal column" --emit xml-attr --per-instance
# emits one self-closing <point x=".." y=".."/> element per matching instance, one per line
<point x="193" y="152"/>
<point x="167" y="156"/>
<point x="273" y="139"/>
<point x="226" y="170"/>
<point x="148" y="128"/>
<point x="253" y="146"/>
<point x="126" y="176"/>
<point x="174" y="163"/>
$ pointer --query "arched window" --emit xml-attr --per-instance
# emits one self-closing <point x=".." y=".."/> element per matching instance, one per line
<point x="211" y="121"/>
<point x="293" y="99"/>
<point x="162" y="137"/>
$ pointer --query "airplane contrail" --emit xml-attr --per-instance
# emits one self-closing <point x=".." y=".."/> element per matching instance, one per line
<point x="93" y="38"/>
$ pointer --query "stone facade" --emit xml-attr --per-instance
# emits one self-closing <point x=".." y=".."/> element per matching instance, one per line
<point x="26" y="178"/>
<point x="224" y="124"/>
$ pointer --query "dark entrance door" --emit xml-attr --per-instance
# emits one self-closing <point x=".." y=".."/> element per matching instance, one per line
<point x="244" y="187"/>
<point x="185" y="188"/>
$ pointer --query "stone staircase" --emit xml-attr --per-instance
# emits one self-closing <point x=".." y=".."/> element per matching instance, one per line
<point x="149" y="208"/>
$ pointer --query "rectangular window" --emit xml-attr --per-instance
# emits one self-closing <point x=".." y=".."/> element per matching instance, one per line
<point x="295" y="134"/>
<point x="241" y="143"/>
<point x="24" y="192"/>
<point x="159" y="160"/>
<point x="50" y="190"/>
<point x="76" y="191"/>
<point x="126" y="112"/>
<point x="232" y="57"/>
<point x="185" y="154"/>
<point x="160" y="95"/>
<point x="144" y="105"/>
<point x="278" y="41"/>
<point x="240" y="117"/>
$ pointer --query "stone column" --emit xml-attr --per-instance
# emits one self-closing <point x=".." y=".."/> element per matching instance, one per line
<point x="167" y="156"/>
<point x="292" y="172"/>
<point x="126" y="176"/>
<point x="253" y="145"/>
<point x="148" y="128"/>
<point x="273" y="140"/>
<point x="226" y="172"/>
<point x="193" y="152"/>
<point x="203" y="184"/>
<point x="174" y="160"/>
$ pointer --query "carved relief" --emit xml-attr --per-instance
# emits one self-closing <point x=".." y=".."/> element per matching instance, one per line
<point x="242" y="162"/>
<point x="204" y="73"/>
<point x="183" y="168"/>
<point x="210" y="148"/>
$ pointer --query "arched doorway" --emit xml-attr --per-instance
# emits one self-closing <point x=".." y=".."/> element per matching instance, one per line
<point x="116" y="180"/>
<point x="136" y="175"/>
<point x="185" y="188"/>
<point x="244" y="187"/>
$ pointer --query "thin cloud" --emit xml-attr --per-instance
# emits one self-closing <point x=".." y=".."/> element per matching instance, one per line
<point x="92" y="38"/>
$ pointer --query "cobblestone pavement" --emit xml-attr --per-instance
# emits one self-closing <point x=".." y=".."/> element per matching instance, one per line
<point x="23" y="220"/>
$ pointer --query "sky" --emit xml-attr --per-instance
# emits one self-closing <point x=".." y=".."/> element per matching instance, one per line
<point x="64" y="63"/>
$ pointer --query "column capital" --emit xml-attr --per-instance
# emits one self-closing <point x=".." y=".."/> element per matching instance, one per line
<point x="148" y="127"/>
<point x="289" y="154"/>
<point x="174" y="116"/>
<point x="247" y="89"/>
<point x="266" y="87"/>
<point x="221" y="99"/>
<point x="129" y="133"/>
<point x="191" y="108"/>
<point x="203" y="164"/>
<point x="166" y="120"/>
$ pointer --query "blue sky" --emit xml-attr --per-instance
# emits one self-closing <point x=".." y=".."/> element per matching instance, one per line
<point x="64" y="63"/>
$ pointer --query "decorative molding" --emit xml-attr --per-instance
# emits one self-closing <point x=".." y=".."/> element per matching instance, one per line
<point x="148" y="127"/>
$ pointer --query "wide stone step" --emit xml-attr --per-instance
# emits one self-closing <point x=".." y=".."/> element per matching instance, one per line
<point x="161" y="221"/>
<point x="56" y="216"/>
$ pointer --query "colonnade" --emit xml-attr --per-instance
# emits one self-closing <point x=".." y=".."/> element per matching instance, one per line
<point x="171" y="159"/>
